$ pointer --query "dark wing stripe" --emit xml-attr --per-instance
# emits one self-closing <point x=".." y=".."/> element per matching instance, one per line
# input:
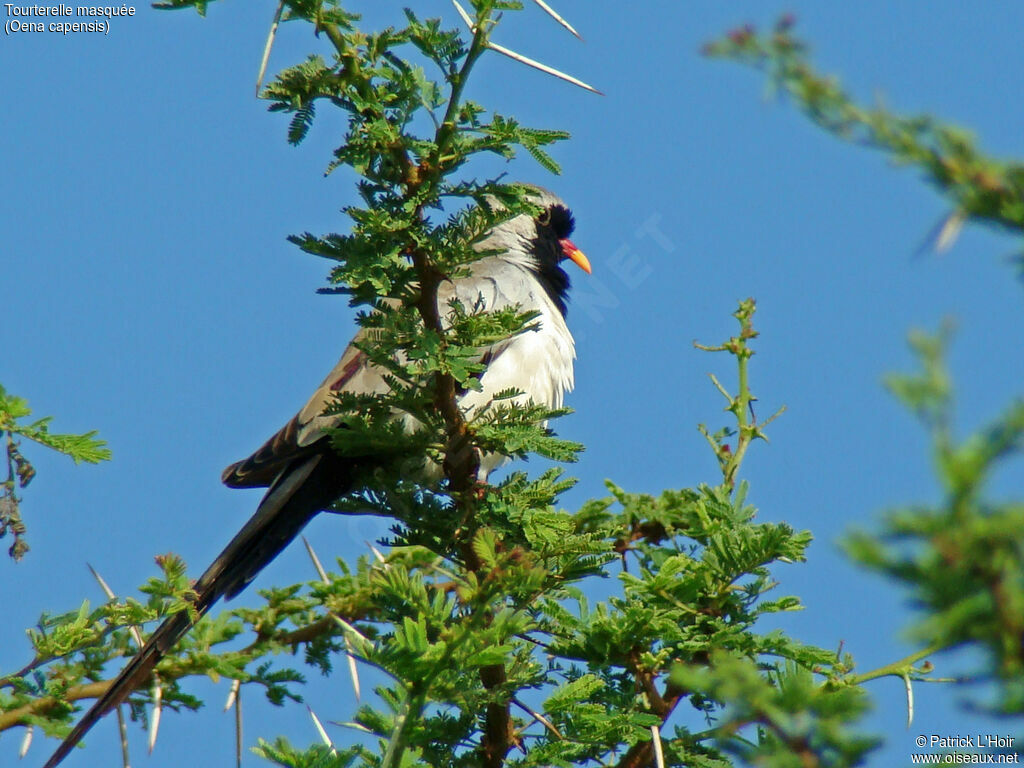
<point x="263" y="467"/>
<point x="349" y="371"/>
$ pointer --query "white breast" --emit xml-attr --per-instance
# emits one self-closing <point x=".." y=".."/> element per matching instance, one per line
<point x="537" y="362"/>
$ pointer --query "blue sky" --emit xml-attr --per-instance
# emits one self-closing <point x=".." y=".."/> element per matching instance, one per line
<point x="149" y="293"/>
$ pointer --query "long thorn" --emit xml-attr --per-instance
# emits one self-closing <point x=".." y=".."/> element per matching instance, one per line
<point x="465" y="16"/>
<point x="526" y="59"/>
<point x="316" y="561"/>
<point x="359" y="642"/>
<point x="320" y="729"/>
<point x="539" y="718"/>
<point x="26" y="742"/>
<point x="103" y="584"/>
<point x="950" y="231"/>
<point x="551" y="12"/>
<point x="154" y="720"/>
<point x="353" y="726"/>
<point x="349" y="650"/>
<point x="346" y="626"/>
<point x="352" y="668"/>
<point x="236" y="685"/>
<point x="910" y="700"/>
<point x="542" y="67"/>
<point x="136" y="633"/>
<point x="238" y="727"/>
<point x="377" y="553"/>
<point x="943" y="235"/>
<point x="270" y="44"/>
<point x="122" y="730"/>
<point x="659" y="755"/>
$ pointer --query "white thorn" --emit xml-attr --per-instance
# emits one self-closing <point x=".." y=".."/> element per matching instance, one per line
<point x="232" y="694"/>
<point x="348" y="627"/>
<point x="136" y="633"/>
<point x="354" y="726"/>
<point x="525" y="59"/>
<point x="352" y="668"/>
<point x="122" y="730"/>
<point x="320" y="729"/>
<point x="465" y="16"/>
<point x="950" y="231"/>
<point x="238" y="726"/>
<point x="910" y="700"/>
<point x="26" y="742"/>
<point x="154" y="720"/>
<point x="659" y="756"/>
<point x="376" y="553"/>
<point x="359" y="641"/>
<point x="103" y="585"/>
<point x="542" y="67"/>
<point x="270" y="44"/>
<point x="943" y="235"/>
<point x="316" y="561"/>
<point x="539" y="718"/>
<point x="551" y="12"/>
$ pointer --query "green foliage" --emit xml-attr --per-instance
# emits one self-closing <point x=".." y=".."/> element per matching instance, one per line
<point x="20" y="472"/>
<point x="741" y="405"/>
<point x="795" y="721"/>
<point x="500" y="622"/>
<point x="507" y="630"/>
<point x="963" y="558"/>
<point x="980" y="187"/>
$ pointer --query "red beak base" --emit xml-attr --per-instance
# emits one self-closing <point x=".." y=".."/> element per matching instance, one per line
<point x="574" y="254"/>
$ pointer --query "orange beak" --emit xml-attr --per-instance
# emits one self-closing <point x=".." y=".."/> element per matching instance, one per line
<point x="575" y="254"/>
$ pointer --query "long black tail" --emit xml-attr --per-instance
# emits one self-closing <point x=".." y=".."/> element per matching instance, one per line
<point x="292" y="501"/>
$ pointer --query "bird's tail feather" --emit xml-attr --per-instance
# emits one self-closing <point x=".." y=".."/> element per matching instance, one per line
<point x="292" y="501"/>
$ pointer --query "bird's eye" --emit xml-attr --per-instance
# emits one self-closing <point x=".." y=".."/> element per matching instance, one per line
<point x="544" y="218"/>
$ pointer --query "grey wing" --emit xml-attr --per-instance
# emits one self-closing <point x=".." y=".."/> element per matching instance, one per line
<point x="305" y="433"/>
<point x="492" y="284"/>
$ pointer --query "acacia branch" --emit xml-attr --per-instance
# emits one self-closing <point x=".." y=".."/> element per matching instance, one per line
<point x="461" y="460"/>
<point x="641" y="754"/>
<point x="15" y="717"/>
<point x="170" y="671"/>
<point x="901" y="668"/>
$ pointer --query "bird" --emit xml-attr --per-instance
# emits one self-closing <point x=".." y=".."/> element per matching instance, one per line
<point x="301" y="470"/>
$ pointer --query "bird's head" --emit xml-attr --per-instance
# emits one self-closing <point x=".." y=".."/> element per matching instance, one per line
<point x="541" y="243"/>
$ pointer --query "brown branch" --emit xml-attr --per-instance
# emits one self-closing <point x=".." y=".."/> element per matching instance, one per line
<point x="662" y="704"/>
<point x="8" y="681"/>
<point x="14" y="717"/>
<point x="641" y="754"/>
<point x="799" y="745"/>
<point x="461" y="461"/>
<point x="498" y="723"/>
<point x="170" y="671"/>
<point x="651" y="531"/>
